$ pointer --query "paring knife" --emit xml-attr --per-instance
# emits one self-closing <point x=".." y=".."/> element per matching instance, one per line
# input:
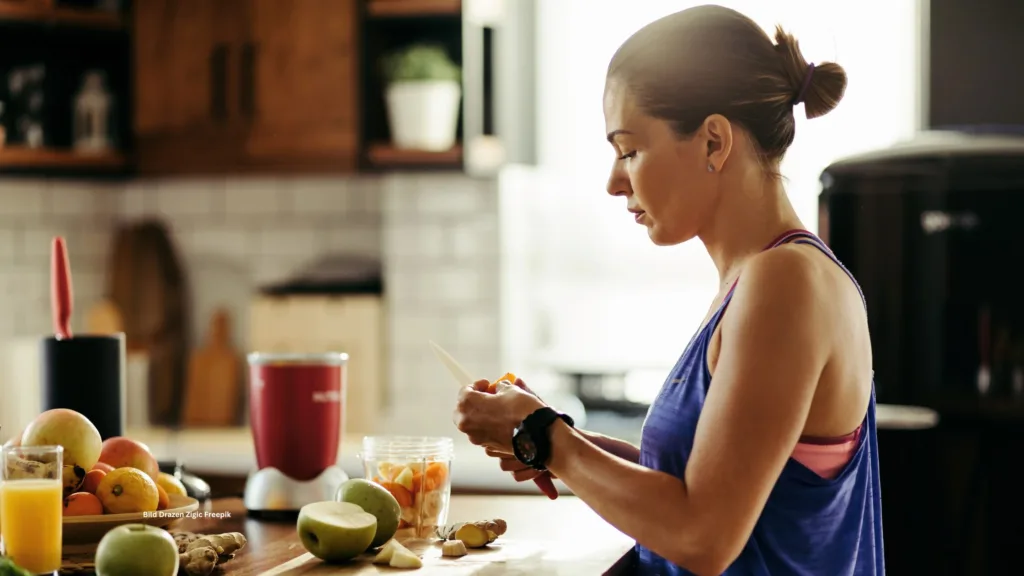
<point x="463" y="377"/>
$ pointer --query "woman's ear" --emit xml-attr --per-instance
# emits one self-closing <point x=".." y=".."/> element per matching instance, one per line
<point x="718" y="134"/>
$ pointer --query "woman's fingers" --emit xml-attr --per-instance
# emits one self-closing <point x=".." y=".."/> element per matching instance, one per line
<point x="512" y="465"/>
<point x="498" y="453"/>
<point x="525" y="474"/>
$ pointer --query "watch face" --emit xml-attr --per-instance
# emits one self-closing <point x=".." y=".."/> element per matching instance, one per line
<point x="527" y="449"/>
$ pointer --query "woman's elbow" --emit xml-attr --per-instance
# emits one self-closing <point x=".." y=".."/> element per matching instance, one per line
<point x="705" y="558"/>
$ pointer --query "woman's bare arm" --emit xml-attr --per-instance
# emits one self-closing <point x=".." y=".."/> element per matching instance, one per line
<point x="620" y="448"/>
<point x="772" y="357"/>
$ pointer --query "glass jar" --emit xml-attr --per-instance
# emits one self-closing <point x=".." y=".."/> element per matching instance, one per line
<point x="417" y="471"/>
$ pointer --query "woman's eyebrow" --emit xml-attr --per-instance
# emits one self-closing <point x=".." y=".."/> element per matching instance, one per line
<point x="614" y="133"/>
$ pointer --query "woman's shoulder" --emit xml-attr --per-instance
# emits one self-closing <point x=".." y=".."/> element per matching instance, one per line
<point x="791" y="287"/>
<point x="793" y="270"/>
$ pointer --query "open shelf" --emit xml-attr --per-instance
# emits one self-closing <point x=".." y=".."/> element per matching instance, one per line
<point x="29" y="11"/>
<point x="382" y="155"/>
<point x="412" y="8"/>
<point x="28" y="158"/>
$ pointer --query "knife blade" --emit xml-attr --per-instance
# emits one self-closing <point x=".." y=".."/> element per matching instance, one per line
<point x="463" y="377"/>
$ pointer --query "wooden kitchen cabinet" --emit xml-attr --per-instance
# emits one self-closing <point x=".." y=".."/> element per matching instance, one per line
<point x="228" y="86"/>
<point x="186" y="67"/>
<point x="305" y="105"/>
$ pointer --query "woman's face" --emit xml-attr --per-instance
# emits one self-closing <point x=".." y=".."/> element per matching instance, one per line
<point x="664" y="178"/>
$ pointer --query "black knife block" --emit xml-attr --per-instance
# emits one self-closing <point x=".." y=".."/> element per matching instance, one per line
<point x="86" y="374"/>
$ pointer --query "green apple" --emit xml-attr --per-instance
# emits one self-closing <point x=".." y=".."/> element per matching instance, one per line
<point x="385" y="554"/>
<point x="376" y="500"/>
<point x="335" y="531"/>
<point x="397" y="556"/>
<point x="134" y="549"/>
<point x="404" y="558"/>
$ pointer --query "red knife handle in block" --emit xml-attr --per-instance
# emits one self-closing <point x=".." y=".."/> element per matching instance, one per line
<point x="60" y="289"/>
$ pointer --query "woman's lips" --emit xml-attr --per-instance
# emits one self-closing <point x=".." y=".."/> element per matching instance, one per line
<point x="638" y="216"/>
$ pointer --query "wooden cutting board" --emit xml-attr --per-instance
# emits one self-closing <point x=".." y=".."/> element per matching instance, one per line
<point x="212" y="391"/>
<point x="104" y="318"/>
<point x="526" y="556"/>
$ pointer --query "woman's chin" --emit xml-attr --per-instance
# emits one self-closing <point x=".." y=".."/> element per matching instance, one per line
<point x="660" y="238"/>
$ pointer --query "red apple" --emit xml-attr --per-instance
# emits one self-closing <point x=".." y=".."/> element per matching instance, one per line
<point x="121" y="452"/>
<point x="104" y="467"/>
<point x="60" y="426"/>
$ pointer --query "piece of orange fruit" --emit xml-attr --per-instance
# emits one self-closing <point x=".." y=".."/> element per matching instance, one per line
<point x="508" y="377"/>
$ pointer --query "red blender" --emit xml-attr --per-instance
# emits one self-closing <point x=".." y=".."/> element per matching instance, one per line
<point x="295" y="411"/>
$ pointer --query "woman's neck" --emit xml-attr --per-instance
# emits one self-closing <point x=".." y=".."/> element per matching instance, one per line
<point x="751" y="212"/>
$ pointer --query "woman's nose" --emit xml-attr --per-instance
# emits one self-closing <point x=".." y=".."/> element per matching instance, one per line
<point x="618" y="183"/>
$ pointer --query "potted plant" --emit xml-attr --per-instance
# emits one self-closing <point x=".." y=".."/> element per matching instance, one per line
<point x="423" y="94"/>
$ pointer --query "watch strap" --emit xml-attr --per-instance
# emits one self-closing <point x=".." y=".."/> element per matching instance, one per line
<point x="537" y="427"/>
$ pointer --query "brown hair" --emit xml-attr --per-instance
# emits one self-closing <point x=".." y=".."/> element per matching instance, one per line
<point x="713" y="60"/>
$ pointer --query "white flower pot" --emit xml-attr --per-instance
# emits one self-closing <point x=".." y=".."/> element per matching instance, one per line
<point x="423" y="115"/>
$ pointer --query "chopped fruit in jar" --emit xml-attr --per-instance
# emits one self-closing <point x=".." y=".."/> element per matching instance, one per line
<point x="403" y="496"/>
<point x="404" y="479"/>
<point x="388" y="471"/>
<point x="435" y="475"/>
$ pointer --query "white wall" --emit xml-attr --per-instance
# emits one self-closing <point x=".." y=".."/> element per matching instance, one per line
<point x="601" y="293"/>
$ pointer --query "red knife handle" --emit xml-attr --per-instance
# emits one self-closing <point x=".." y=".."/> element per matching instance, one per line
<point x="546" y="485"/>
<point x="60" y="289"/>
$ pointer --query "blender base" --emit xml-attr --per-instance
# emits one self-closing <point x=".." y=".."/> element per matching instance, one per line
<point x="269" y="493"/>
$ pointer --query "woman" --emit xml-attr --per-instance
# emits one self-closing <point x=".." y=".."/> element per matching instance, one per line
<point x="759" y="454"/>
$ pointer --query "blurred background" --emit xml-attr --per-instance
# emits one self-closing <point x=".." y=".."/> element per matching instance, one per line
<point x="368" y="175"/>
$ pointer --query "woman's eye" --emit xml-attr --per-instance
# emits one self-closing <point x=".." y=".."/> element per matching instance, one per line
<point x="628" y="155"/>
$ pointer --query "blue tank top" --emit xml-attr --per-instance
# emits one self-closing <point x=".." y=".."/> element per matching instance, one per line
<point x="810" y="526"/>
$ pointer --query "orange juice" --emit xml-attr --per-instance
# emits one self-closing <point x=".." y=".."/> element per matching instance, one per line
<point x="30" y="520"/>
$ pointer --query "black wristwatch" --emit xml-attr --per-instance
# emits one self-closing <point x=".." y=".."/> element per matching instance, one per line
<point x="531" y="441"/>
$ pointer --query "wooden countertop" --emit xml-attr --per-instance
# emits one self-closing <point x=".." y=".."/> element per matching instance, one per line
<point x="563" y="536"/>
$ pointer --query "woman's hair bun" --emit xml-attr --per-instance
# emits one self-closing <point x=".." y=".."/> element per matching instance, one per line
<point x="820" y="87"/>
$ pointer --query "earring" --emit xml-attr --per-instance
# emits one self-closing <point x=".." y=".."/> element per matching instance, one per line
<point x="711" y="167"/>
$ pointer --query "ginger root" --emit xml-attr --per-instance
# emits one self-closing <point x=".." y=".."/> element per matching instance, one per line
<point x="198" y="561"/>
<point x="200" y="553"/>
<point x="474" y="534"/>
<point x="454" y="548"/>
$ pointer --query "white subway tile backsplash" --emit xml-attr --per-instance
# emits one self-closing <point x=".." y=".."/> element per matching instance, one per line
<point x="37" y="240"/>
<point x="460" y="286"/>
<point x="22" y="198"/>
<point x="474" y="238"/>
<point x="176" y="199"/>
<point x="137" y="199"/>
<point x="256" y="196"/>
<point x="297" y="243"/>
<point x="435" y="233"/>
<point x="447" y="198"/>
<point x="218" y="240"/>
<point x="418" y="239"/>
<point x="318" y="197"/>
<point x="272" y="270"/>
<point x="354" y="238"/>
<point x="8" y="247"/>
<point x="71" y="198"/>
<point x="475" y="327"/>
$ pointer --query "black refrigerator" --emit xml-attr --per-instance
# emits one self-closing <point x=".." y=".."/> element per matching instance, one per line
<point x="933" y="229"/>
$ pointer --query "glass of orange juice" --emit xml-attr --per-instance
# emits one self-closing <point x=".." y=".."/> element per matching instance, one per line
<point x="31" y="496"/>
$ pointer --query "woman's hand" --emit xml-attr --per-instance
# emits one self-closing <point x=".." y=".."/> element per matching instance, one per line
<point x="521" y="472"/>
<point x="489" y="420"/>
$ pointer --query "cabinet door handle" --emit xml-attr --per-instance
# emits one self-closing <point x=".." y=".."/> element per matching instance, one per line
<point x="218" y="82"/>
<point x="247" y="95"/>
